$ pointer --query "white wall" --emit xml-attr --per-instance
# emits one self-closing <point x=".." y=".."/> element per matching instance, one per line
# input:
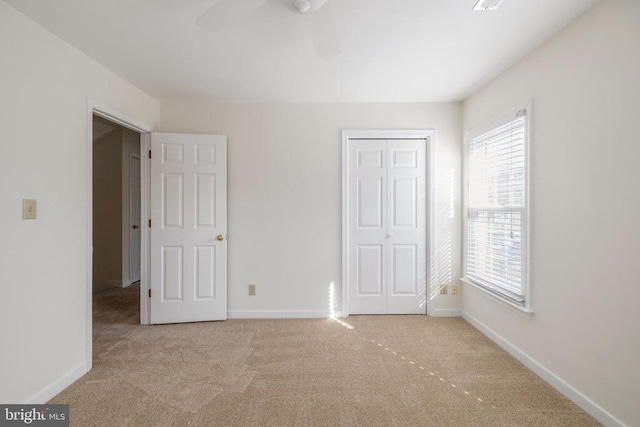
<point x="44" y="83"/>
<point x="585" y="87"/>
<point x="284" y="171"/>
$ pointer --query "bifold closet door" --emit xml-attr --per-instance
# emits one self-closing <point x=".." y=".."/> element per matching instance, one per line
<point x="387" y="226"/>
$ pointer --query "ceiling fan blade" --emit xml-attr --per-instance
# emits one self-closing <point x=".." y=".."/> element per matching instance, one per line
<point x="323" y="31"/>
<point x="225" y="12"/>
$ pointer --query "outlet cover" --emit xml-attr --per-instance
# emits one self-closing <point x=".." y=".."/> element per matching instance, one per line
<point x="29" y="210"/>
<point x="252" y="290"/>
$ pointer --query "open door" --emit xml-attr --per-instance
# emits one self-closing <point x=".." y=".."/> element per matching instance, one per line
<point x="188" y="228"/>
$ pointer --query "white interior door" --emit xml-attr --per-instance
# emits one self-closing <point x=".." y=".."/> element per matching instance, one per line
<point x="134" y="218"/>
<point x="387" y="261"/>
<point x="188" y="228"/>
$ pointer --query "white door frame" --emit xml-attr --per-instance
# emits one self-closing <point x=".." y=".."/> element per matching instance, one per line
<point x="115" y="116"/>
<point x="128" y="219"/>
<point x="428" y="136"/>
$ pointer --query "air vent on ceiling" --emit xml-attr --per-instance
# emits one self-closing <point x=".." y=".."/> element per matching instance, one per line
<point x="487" y="4"/>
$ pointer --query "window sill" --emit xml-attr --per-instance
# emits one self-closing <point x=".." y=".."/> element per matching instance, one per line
<point x="525" y="312"/>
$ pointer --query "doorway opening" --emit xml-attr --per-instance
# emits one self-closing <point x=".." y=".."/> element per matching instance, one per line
<point x="116" y="250"/>
<point x="116" y="234"/>
<point x="116" y="206"/>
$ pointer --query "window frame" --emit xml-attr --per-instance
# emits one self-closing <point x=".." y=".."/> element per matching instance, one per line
<point x="494" y="292"/>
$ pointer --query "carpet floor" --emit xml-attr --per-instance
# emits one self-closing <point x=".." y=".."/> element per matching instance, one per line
<point x="358" y="371"/>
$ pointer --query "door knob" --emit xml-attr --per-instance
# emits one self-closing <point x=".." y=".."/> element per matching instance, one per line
<point x="134" y="226"/>
<point x="220" y="237"/>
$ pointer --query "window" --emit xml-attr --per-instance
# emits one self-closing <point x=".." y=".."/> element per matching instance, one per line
<point x="496" y="241"/>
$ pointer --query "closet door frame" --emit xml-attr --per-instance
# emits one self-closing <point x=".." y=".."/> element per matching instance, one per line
<point x="428" y="136"/>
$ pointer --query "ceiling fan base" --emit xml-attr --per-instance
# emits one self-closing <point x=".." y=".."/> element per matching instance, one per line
<point x="302" y="6"/>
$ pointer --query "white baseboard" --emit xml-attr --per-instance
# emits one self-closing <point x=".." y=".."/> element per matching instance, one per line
<point x="446" y="312"/>
<point x="57" y="386"/>
<point x="567" y="390"/>
<point x="288" y="314"/>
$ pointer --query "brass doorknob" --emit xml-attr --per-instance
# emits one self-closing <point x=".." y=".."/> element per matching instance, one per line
<point x="134" y="227"/>
<point x="220" y="237"/>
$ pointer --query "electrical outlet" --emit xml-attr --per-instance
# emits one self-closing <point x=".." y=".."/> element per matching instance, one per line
<point x="444" y="289"/>
<point x="454" y="289"/>
<point x="252" y="290"/>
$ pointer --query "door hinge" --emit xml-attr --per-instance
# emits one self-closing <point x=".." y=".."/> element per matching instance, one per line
<point x="149" y="223"/>
<point x="149" y="153"/>
<point x="149" y="293"/>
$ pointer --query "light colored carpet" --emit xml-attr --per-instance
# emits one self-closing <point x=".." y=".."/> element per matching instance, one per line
<point x="386" y="371"/>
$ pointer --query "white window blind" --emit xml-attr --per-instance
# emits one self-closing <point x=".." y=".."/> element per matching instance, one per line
<point x="496" y="242"/>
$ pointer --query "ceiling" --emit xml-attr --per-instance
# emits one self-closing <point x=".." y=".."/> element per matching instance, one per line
<point x="391" y="50"/>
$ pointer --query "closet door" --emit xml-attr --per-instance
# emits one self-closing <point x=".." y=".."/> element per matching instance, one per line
<point x="368" y="227"/>
<point x="386" y="227"/>
<point x="406" y="227"/>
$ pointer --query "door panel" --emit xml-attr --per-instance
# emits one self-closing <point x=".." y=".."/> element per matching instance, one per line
<point x="188" y="213"/>
<point x="205" y="272"/>
<point x="172" y="275"/>
<point x="370" y="202"/>
<point x="407" y="158"/>
<point x="368" y="158"/>
<point x="205" y="154"/>
<point x="172" y="200"/>
<point x="405" y="202"/>
<point x="205" y="201"/>
<point x="405" y="264"/>
<point x="172" y="153"/>
<point x="370" y="270"/>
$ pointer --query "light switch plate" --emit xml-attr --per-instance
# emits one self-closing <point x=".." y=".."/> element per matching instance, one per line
<point x="29" y="210"/>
